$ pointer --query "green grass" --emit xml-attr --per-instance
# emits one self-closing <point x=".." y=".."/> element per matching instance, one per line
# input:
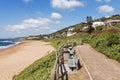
<point x="72" y="39"/>
<point x="39" y="70"/>
<point x="108" y="43"/>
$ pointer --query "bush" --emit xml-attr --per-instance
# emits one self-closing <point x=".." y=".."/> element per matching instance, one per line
<point x="99" y="28"/>
<point x="108" y="43"/>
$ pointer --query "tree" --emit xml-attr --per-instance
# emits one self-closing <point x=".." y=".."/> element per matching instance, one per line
<point x="89" y="18"/>
<point x="90" y="29"/>
<point x="89" y="24"/>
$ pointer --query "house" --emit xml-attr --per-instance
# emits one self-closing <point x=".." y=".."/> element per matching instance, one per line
<point x="70" y="29"/>
<point x="51" y="36"/>
<point x="85" y="28"/>
<point x="63" y="34"/>
<point x="111" y="23"/>
<point x="70" y="32"/>
<point x="97" y="23"/>
<point x="45" y="36"/>
<point x="32" y="37"/>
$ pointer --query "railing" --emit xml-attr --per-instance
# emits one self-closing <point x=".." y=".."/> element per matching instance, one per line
<point x="58" y="65"/>
<point x="55" y="73"/>
<point x="59" y="60"/>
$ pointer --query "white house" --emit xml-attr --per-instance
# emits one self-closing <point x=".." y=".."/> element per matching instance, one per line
<point x="70" y="29"/>
<point x="95" y="24"/>
<point x="70" y="32"/>
<point x="84" y="28"/>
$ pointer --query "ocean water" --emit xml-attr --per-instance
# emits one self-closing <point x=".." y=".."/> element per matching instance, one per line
<point x="6" y="43"/>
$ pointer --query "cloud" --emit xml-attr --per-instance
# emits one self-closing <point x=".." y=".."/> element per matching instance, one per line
<point x="55" y="15"/>
<point x="57" y="22"/>
<point x="106" y="9"/>
<point x="107" y="0"/>
<point x="41" y="23"/>
<point x="66" y="4"/>
<point x="26" y="1"/>
<point x="103" y="0"/>
<point x="98" y="0"/>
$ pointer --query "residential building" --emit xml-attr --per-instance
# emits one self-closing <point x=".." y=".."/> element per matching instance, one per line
<point x="98" y="23"/>
<point x="111" y="23"/>
<point x="70" y="32"/>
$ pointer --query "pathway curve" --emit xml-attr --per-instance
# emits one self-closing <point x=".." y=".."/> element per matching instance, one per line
<point x="98" y="65"/>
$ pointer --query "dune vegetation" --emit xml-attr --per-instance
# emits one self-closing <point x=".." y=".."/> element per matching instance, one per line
<point x="107" y="42"/>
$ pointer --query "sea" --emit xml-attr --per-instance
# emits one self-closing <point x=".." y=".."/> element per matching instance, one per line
<point x="6" y="43"/>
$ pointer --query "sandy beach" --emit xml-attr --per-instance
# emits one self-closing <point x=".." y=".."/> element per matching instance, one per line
<point x="13" y="60"/>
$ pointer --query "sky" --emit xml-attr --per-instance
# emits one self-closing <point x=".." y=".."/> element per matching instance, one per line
<point x="20" y="18"/>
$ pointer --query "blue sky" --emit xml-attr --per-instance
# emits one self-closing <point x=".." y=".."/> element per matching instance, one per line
<point x="33" y="17"/>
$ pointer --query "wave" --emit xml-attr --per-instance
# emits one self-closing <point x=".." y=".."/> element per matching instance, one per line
<point x="6" y="41"/>
<point x="4" y="47"/>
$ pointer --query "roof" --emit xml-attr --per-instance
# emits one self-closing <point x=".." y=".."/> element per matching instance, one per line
<point x="109" y="21"/>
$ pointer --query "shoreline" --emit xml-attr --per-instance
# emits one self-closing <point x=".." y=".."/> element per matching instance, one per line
<point x="16" y="58"/>
<point x="10" y="45"/>
<point x="10" y="49"/>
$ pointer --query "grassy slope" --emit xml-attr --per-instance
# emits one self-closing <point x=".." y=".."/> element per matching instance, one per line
<point x="108" y="43"/>
<point x="75" y="38"/>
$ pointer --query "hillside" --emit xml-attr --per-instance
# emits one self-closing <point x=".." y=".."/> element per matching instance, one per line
<point x="113" y="17"/>
<point x="77" y="28"/>
<point x="104" y="39"/>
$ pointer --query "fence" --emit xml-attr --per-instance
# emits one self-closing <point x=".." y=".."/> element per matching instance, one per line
<point x="56" y="74"/>
<point x="59" y="59"/>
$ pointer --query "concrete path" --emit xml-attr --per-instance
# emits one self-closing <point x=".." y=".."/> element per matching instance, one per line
<point x="98" y="65"/>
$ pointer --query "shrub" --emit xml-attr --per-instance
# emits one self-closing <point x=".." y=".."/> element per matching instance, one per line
<point x="99" y="28"/>
<point x="107" y="42"/>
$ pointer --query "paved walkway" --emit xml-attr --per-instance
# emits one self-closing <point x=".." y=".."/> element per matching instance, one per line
<point x="98" y="65"/>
